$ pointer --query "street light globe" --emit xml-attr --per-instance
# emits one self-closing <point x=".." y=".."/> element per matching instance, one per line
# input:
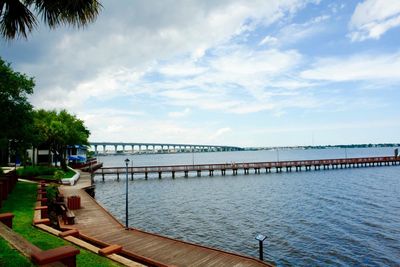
<point x="127" y="161"/>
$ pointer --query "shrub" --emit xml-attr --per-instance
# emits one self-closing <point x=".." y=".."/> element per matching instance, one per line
<point x="59" y="174"/>
<point x="32" y="171"/>
<point x="51" y="193"/>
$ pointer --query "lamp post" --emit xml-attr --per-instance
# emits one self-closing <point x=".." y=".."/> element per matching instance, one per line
<point x="126" y="196"/>
<point x="261" y="239"/>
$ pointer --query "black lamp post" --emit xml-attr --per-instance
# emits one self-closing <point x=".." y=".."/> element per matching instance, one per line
<point x="126" y="196"/>
<point x="261" y="239"/>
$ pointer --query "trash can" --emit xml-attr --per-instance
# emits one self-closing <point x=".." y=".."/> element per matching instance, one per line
<point x="74" y="202"/>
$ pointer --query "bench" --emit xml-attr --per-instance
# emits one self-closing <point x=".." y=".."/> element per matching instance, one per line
<point x="70" y="217"/>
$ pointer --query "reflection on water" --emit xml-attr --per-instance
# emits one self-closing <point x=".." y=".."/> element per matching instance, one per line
<point x="318" y="218"/>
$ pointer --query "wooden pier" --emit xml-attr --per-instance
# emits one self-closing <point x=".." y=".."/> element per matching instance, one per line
<point x="246" y="168"/>
<point x="99" y="227"/>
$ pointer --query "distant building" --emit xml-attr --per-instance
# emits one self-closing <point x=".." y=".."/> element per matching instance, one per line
<point x="76" y="153"/>
<point x="43" y="155"/>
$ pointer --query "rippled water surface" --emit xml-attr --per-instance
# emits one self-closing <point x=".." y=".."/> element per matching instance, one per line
<point x="348" y="217"/>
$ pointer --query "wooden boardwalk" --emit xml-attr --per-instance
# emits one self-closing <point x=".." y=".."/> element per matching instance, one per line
<point x="97" y="225"/>
<point x="278" y="166"/>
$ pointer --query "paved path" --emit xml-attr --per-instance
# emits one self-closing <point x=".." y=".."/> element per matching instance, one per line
<point x="95" y="222"/>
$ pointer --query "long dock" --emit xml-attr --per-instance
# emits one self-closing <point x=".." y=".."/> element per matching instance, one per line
<point x="233" y="168"/>
<point x="97" y="225"/>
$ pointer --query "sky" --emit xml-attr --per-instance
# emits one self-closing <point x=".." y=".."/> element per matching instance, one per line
<point x="238" y="72"/>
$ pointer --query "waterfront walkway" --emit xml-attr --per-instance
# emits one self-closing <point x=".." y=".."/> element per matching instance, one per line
<point x="97" y="225"/>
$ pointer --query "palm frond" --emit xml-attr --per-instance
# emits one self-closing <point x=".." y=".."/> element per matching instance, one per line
<point x="15" y="19"/>
<point x="75" y="12"/>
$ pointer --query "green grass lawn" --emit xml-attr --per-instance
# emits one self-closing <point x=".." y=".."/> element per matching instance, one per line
<point x="67" y="174"/>
<point x="43" y="172"/>
<point x="21" y="203"/>
<point x="11" y="257"/>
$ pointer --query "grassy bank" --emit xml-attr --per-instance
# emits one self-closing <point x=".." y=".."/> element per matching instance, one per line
<point x="21" y="202"/>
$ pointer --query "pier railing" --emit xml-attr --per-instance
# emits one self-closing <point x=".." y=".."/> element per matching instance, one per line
<point x="268" y="166"/>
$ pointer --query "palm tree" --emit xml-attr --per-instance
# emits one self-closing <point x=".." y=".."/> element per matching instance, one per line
<point x="19" y="17"/>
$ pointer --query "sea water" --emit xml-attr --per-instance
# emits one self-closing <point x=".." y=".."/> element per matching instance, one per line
<point x="341" y="217"/>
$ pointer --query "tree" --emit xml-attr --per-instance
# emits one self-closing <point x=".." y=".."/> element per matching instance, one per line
<point x="17" y="17"/>
<point x="58" y="130"/>
<point x="15" y="111"/>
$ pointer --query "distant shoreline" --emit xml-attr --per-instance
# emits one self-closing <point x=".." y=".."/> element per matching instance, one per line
<point x="324" y="146"/>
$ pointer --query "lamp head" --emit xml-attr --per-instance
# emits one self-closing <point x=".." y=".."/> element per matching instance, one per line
<point x="261" y="237"/>
<point x="127" y="161"/>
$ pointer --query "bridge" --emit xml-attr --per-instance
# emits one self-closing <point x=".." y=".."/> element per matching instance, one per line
<point x="120" y="147"/>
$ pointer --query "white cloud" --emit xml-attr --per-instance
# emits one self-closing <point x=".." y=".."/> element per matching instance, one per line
<point x="372" y="18"/>
<point x="269" y="40"/>
<point x="236" y="80"/>
<point x="220" y="133"/>
<point x="363" y="67"/>
<point x="179" y="114"/>
<point x="123" y="44"/>
<point x="185" y="68"/>
<point x="295" y="32"/>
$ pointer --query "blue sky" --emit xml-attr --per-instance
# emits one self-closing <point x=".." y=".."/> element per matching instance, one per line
<point x="246" y="73"/>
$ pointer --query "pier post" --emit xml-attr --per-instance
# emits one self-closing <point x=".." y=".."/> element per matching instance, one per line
<point x="117" y="175"/>
<point x="173" y="175"/>
<point x="126" y="196"/>
<point x="102" y="173"/>
<point x="146" y="175"/>
<point x="159" y="175"/>
<point x="198" y="173"/>
<point x="186" y="174"/>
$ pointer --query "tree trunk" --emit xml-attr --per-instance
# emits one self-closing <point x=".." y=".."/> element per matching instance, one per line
<point x="63" y="159"/>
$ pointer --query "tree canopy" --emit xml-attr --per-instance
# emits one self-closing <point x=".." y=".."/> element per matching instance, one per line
<point x="23" y="128"/>
<point x="19" y="17"/>
<point x="15" y="110"/>
<point x="58" y="130"/>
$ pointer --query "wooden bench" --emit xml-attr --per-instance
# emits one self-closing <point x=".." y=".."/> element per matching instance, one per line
<point x="70" y="217"/>
<point x="60" y="198"/>
<point x="65" y="254"/>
